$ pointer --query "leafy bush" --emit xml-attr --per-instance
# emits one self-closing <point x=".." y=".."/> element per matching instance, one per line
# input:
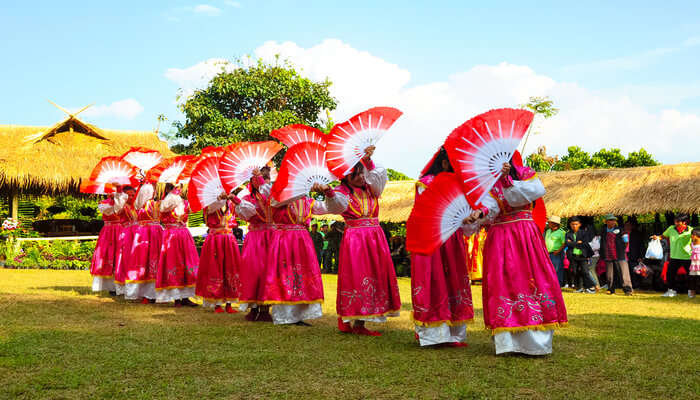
<point x="58" y="254"/>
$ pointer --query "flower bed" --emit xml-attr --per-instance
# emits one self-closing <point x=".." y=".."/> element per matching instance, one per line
<point x="56" y="254"/>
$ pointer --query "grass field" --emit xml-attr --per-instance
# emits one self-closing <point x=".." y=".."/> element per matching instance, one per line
<point x="60" y="341"/>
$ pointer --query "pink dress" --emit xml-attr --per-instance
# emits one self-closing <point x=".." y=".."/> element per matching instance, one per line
<point x="178" y="261"/>
<point x="441" y="291"/>
<point x="218" y="279"/>
<point x="145" y="252"/>
<point x="367" y="287"/>
<point x="257" y="211"/>
<point x="105" y="256"/>
<point x="293" y="283"/>
<point x="127" y="219"/>
<point x="521" y="294"/>
<point x="694" y="269"/>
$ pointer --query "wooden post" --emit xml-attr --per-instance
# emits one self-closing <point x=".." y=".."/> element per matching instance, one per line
<point x="14" y="206"/>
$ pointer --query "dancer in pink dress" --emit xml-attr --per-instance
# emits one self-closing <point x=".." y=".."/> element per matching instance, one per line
<point x="255" y="208"/>
<point x="106" y="251"/>
<point x="293" y="284"/>
<point x="178" y="261"/>
<point x="218" y="278"/>
<point x="521" y="294"/>
<point x="440" y="287"/>
<point x="367" y="287"/>
<point x="145" y="249"/>
<point x="127" y="220"/>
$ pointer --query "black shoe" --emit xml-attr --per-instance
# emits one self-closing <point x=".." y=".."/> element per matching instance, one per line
<point x="302" y="323"/>
<point x="113" y="293"/>
<point x="187" y="302"/>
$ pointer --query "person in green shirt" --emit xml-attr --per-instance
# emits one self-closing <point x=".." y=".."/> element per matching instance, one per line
<point x="678" y="236"/>
<point x="555" y="239"/>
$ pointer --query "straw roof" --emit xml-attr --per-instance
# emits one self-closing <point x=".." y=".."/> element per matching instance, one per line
<point x="621" y="191"/>
<point x="52" y="160"/>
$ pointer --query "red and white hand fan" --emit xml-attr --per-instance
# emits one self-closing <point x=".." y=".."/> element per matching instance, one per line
<point x="237" y="165"/>
<point x="302" y="167"/>
<point x="91" y="187"/>
<point x="299" y="133"/>
<point x="184" y="177"/>
<point x="114" y="170"/>
<point x="169" y="170"/>
<point x="205" y="185"/>
<point x="436" y="214"/>
<point x="142" y="158"/>
<point x="347" y="141"/>
<point x="212" y="152"/>
<point x="479" y="147"/>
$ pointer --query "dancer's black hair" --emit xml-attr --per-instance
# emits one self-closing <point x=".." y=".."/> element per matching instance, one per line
<point x="356" y="170"/>
<point x="436" y="166"/>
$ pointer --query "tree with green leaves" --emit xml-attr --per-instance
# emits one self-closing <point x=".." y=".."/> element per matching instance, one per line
<point x="247" y="102"/>
<point x="539" y="106"/>
<point x="576" y="158"/>
<point x="395" y="175"/>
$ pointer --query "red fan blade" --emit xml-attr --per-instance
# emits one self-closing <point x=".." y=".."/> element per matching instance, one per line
<point x="436" y="214"/>
<point x="142" y="158"/>
<point x="299" y="133"/>
<point x="205" y="185"/>
<point x="212" y="152"/>
<point x="539" y="214"/>
<point x="302" y="167"/>
<point x="114" y="170"/>
<point x="168" y="170"/>
<point x="186" y="173"/>
<point x="479" y="147"/>
<point x="237" y="165"/>
<point x="347" y="141"/>
<point x="91" y="187"/>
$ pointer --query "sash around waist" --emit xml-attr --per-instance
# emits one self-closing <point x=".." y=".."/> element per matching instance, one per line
<point x="362" y="222"/>
<point x="513" y="217"/>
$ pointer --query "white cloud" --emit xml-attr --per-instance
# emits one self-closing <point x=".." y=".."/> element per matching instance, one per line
<point x="589" y="119"/>
<point x="206" y="9"/>
<point x="692" y="41"/>
<point x="123" y="109"/>
<point x="197" y="76"/>
<point x="234" y="4"/>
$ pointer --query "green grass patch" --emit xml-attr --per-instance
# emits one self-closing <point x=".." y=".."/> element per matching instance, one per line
<point x="60" y="341"/>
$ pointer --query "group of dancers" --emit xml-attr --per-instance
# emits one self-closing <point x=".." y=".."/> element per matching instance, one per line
<point x="145" y="252"/>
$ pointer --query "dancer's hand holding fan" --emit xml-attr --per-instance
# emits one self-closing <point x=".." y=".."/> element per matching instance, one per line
<point x="237" y="165"/>
<point x="348" y="140"/>
<point x="292" y="135"/>
<point x="205" y="185"/>
<point x="303" y="168"/>
<point x="479" y="148"/>
<point x="437" y="214"/>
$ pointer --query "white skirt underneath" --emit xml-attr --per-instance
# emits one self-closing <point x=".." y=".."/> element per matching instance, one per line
<point x="137" y="291"/>
<point x="100" y="284"/>
<point x="168" y="295"/>
<point x="429" y="336"/>
<point x="293" y="313"/>
<point x="532" y="342"/>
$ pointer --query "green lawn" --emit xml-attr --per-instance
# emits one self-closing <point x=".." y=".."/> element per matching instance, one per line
<point x="58" y="340"/>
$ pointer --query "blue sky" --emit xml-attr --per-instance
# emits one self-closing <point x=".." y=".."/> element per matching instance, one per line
<point x="75" y="53"/>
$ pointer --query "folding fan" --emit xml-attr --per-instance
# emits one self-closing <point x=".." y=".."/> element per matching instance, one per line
<point x="479" y="147"/>
<point x="302" y="167"/>
<point x="237" y="165"/>
<point x="212" y="152"/>
<point x="205" y="185"/>
<point x="92" y="187"/>
<point x="347" y="141"/>
<point x="299" y="133"/>
<point x="169" y="170"/>
<point x="142" y="158"/>
<point x="114" y="170"/>
<point x="436" y="214"/>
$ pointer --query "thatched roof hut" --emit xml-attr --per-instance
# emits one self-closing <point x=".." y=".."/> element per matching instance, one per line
<point x="621" y="191"/>
<point x="52" y="160"/>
